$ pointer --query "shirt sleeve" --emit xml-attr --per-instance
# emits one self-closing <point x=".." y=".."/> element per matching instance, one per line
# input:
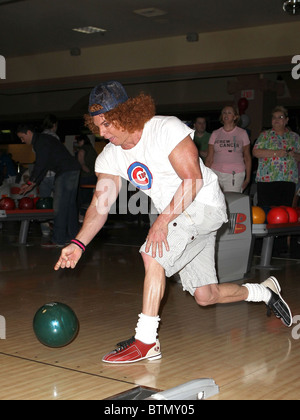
<point x="106" y="162"/>
<point x="173" y="131"/>
<point x="260" y="142"/>
<point x="297" y="143"/>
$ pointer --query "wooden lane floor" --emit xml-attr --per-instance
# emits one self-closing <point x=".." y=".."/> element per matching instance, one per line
<point x="249" y="355"/>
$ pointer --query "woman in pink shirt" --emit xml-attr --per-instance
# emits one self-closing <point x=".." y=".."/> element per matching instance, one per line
<point x="229" y="152"/>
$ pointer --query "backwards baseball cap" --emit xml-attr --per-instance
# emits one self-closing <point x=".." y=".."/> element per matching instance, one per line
<point x="108" y="95"/>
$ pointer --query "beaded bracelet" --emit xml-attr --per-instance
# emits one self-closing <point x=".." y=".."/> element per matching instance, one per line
<point x="78" y="243"/>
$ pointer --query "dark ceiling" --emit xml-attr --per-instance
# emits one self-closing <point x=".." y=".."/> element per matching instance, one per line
<point x="40" y="26"/>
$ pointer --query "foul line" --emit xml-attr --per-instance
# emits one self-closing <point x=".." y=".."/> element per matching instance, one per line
<point x="66" y="368"/>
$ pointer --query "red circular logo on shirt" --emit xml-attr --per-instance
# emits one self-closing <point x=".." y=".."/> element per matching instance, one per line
<point x="140" y="176"/>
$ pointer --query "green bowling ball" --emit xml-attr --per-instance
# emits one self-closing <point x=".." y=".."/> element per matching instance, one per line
<point x="44" y="203"/>
<point x="55" y="324"/>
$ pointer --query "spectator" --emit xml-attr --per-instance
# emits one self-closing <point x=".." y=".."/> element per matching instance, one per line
<point x="52" y="155"/>
<point x="46" y="187"/>
<point x="86" y="156"/>
<point x="8" y="169"/>
<point x="229" y="152"/>
<point x="278" y="154"/>
<point x="201" y="137"/>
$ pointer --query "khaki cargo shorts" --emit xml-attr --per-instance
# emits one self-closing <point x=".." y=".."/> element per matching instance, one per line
<point x="191" y="238"/>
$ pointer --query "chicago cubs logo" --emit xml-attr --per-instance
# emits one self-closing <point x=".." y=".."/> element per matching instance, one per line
<point x="140" y="176"/>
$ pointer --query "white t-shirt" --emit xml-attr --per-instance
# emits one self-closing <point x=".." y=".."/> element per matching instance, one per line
<point x="148" y="168"/>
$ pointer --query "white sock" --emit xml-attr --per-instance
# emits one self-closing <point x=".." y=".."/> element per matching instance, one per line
<point x="146" y="329"/>
<point x="257" y="293"/>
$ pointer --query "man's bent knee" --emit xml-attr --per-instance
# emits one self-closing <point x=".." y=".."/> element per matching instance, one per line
<point x="207" y="295"/>
<point x="150" y="263"/>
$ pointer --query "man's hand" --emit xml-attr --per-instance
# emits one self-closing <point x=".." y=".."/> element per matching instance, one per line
<point x="25" y="188"/>
<point x="69" y="257"/>
<point x="157" y="236"/>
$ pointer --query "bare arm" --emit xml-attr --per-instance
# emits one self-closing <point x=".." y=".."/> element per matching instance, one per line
<point x="271" y="153"/>
<point x="106" y="193"/>
<point x="107" y="190"/>
<point x="210" y="156"/>
<point x="185" y="161"/>
<point x="268" y="153"/>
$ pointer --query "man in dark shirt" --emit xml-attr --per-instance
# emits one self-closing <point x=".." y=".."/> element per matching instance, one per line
<point x="8" y="169"/>
<point x="201" y="137"/>
<point x="52" y="155"/>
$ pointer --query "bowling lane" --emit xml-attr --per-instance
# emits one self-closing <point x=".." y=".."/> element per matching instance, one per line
<point x="237" y="345"/>
<point x="27" y="282"/>
<point x="23" y="379"/>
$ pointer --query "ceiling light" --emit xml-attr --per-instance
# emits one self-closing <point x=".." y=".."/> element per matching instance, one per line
<point x="292" y="7"/>
<point x="150" y="12"/>
<point x="89" y="30"/>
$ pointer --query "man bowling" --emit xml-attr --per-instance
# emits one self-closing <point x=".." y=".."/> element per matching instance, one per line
<point x="191" y="209"/>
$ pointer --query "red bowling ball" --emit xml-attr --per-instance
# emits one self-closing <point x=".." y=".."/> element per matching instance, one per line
<point x="293" y="215"/>
<point x="7" y="203"/>
<point x="277" y="215"/>
<point x="26" y="203"/>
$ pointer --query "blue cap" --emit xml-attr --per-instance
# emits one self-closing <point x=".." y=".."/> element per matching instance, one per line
<point x="108" y="95"/>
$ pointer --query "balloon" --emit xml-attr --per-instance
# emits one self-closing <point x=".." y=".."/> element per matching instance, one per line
<point x="243" y="105"/>
<point x="245" y="120"/>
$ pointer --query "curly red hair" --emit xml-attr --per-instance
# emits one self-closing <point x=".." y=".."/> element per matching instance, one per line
<point x="131" y="115"/>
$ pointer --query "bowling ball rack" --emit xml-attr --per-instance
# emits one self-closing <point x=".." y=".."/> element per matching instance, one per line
<point x="25" y="217"/>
